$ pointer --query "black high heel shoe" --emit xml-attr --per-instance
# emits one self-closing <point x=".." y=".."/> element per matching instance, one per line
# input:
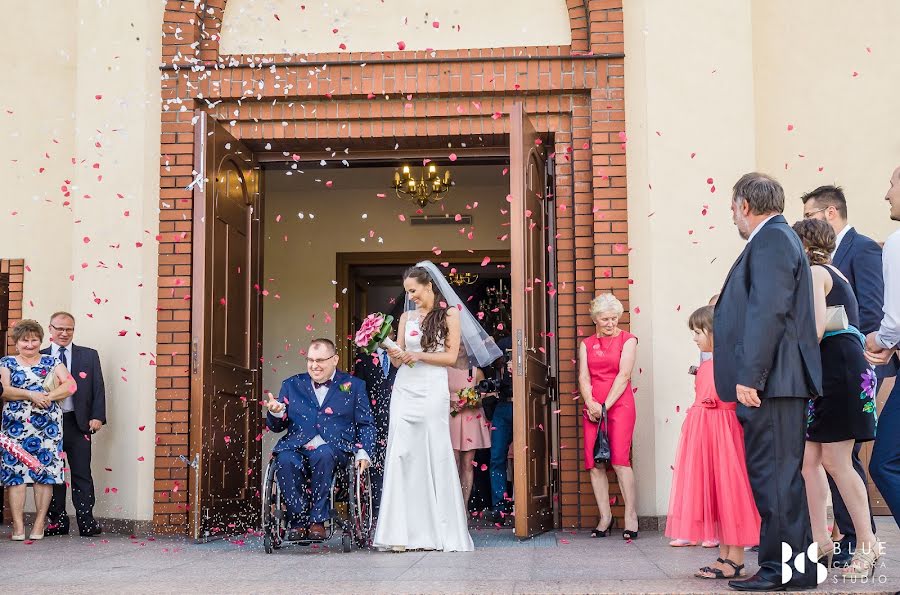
<point x="629" y="535"/>
<point x="605" y="532"/>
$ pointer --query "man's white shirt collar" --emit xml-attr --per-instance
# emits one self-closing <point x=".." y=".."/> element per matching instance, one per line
<point x="760" y="226"/>
<point x="840" y="236"/>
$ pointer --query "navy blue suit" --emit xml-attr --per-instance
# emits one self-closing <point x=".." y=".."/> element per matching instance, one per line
<point x="89" y="402"/>
<point x="859" y="259"/>
<point x="379" y="388"/>
<point x="344" y="421"/>
<point x="765" y="331"/>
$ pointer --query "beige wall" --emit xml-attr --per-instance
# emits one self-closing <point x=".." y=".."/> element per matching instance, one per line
<point x="251" y="26"/>
<point x="111" y="50"/>
<point x="722" y="80"/>
<point x="698" y="99"/>
<point x="805" y="55"/>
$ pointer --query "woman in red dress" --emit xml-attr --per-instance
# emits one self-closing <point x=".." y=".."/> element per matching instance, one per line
<point x="606" y="360"/>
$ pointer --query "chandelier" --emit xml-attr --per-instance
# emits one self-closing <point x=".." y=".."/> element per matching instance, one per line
<point x="429" y="188"/>
<point x="460" y="279"/>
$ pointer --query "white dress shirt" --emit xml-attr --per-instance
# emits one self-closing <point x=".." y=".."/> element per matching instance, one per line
<point x="889" y="334"/>
<point x="760" y="226"/>
<point x="839" y="237"/>
<point x="317" y="440"/>
<point x="66" y="404"/>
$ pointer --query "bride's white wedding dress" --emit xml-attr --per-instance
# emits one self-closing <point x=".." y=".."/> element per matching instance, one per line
<point x="421" y="504"/>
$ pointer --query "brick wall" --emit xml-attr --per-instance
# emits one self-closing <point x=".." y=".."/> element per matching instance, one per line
<point x="16" y="270"/>
<point x="573" y="93"/>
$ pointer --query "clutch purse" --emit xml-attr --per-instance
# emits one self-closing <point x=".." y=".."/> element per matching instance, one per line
<point x="50" y="382"/>
<point x="602" y="453"/>
<point x="836" y="319"/>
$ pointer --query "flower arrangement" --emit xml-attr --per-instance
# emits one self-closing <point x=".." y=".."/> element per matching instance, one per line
<point x="375" y="330"/>
<point x="19" y="453"/>
<point x="468" y="399"/>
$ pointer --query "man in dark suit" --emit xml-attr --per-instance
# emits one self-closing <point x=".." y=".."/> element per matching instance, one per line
<point x="327" y="418"/>
<point x="859" y="259"/>
<point x="84" y="413"/>
<point x="767" y="358"/>
<point x="378" y="374"/>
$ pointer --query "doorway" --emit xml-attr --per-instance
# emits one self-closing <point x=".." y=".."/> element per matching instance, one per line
<point x="233" y="360"/>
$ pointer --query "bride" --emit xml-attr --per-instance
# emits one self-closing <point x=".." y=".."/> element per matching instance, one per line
<point x="422" y="505"/>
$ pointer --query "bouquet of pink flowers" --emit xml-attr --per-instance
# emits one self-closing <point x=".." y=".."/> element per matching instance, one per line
<point x="375" y="330"/>
<point x="22" y="455"/>
<point x="468" y="399"/>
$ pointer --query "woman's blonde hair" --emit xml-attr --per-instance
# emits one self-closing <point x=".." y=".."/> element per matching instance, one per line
<point x="606" y="302"/>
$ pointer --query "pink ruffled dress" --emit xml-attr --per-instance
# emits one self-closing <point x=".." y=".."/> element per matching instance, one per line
<point x="711" y="498"/>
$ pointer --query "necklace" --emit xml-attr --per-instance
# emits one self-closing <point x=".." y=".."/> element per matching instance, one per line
<point x="600" y="347"/>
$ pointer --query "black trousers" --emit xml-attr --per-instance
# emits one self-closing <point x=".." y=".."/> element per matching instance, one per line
<point x="77" y="446"/>
<point x="841" y="514"/>
<point x="775" y="438"/>
<point x="381" y="413"/>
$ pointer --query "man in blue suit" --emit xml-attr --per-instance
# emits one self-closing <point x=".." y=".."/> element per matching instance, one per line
<point x="327" y="418"/>
<point x="859" y="259"/>
<point x="84" y="414"/>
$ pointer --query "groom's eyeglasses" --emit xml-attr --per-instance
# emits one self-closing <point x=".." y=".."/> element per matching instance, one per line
<point x="323" y="360"/>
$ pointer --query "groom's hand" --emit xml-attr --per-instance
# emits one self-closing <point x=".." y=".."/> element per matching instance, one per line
<point x="362" y="464"/>
<point x="747" y="396"/>
<point x="273" y="405"/>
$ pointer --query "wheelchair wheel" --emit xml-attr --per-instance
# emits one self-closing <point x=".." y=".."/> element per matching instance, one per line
<point x="346" y="543"/>
<point x="361" y="507"/>
<point x="272" y="514"/>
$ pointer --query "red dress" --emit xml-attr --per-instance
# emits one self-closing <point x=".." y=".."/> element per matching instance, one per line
<point x="711" y="497"/>
<point x="603" y="357"/>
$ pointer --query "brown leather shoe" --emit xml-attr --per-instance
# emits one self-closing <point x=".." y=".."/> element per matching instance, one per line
<point x="317" y="531"/>
<point x="297" y="534"/>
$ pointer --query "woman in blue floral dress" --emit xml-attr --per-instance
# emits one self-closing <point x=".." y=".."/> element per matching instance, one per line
<point x="845" y="413"/>
<point x="32" y="417"/>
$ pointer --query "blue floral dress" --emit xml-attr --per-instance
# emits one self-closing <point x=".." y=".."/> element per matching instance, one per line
<point x="39" y="431"/>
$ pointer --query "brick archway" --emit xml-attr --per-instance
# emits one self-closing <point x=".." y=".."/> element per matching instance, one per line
<point x="209" y="20"/>
<point x="576" y="96"/>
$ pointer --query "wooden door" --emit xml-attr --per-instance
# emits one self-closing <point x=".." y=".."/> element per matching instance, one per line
<point x="532" y="414"/>
<point x="226" y="334"/>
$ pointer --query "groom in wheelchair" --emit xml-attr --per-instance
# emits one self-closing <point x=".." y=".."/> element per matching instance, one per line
<point x="327" y="419"/>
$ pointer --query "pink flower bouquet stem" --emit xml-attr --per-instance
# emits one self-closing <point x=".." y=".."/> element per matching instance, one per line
<point x="375" y="331"/>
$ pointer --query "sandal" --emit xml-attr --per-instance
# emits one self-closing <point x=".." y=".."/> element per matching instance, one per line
<point x="717" y="573"/>
<point x="629" y="535"/>
<point x="862" y="565"/>
<point x="605" y="532"/>
<point x="682" y="543"/>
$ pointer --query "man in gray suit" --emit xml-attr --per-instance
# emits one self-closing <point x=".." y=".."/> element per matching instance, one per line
<point x="767" y="358"/>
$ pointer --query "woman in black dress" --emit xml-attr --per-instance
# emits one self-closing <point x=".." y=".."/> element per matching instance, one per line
<point x="845" y="413"/>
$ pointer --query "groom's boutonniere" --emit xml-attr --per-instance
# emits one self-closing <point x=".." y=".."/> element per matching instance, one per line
<point x="345" y="388"/>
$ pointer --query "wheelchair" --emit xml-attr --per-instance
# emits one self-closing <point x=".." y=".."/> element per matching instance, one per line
<point x="351" y="510"/>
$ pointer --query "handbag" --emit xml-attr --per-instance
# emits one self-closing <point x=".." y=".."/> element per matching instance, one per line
<point x="602" y="454"/>
<point x="836" y="318"/>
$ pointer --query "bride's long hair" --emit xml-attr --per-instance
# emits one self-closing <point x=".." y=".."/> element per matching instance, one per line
<point x="434" y="325"/>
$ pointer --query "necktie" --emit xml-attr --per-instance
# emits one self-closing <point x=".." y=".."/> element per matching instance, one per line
<point x="318" y="385"/>
<point x="62" y="357"/>
<point x="385" y="364"/>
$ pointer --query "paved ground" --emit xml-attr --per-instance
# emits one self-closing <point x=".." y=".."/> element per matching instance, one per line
<point x="563" y="562"/>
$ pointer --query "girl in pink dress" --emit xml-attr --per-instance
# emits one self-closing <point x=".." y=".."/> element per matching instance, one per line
<point x="711" y="497"/>
<point x="469" y="428"/>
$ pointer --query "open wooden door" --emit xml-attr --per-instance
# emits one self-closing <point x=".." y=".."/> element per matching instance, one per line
<point x="226" y="334"/>
<point x="532" y="414"/>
